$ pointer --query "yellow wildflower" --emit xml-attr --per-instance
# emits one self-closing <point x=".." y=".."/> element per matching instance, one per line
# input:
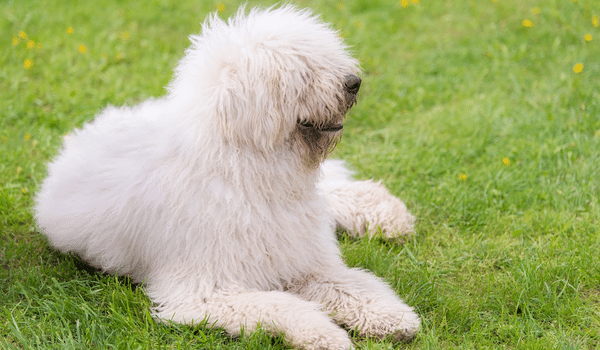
<point x="70" y="30"/>
<point x="125" y="35"/>
<point x="527" y="23"/>
<point x="578" y="68"/>
<point x="506" y="161"/>
<point x="23" y="35"/>
<point x="15" y="40"/>
<point x="462" y="177"/>
<point x="415" y="1"/>
<point x="588" y="37"/>
<point x="24" y="190"/>
<point x="597" y="134"/>
<point x="30" y="44"/>
<point x="27" y="137"/>
<point x="221" y="7"/>
<point x="19" y="169"/>
<point x="28" y="64"/>
<point x="118" y="56"/>
<point x="536" y="10"/>
<point x="82" y="48"/>
<point x="595" y="21"/>
<point x="404" y="3"/>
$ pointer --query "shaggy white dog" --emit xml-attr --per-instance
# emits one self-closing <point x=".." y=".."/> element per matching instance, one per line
<point x="216" y="196"/>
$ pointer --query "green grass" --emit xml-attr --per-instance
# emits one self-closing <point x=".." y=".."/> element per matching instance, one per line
<point x="479" y="123"/>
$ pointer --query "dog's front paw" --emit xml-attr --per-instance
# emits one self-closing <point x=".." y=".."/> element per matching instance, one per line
<point x="407" y="327"/>
<point x="401" y="328"/>
<point x="325" y="339"/>
<point x="391" y="218"/>
<point x="378" y="211"/>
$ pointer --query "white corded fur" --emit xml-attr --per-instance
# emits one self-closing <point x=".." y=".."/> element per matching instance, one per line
<point x="211" y="195"/>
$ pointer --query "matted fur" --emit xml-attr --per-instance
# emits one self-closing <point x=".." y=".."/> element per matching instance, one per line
<point x="216" y="196"/>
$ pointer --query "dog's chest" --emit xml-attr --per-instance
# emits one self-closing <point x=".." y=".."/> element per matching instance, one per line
<point x="260" y="241"/>
<point x="282" y="242"/>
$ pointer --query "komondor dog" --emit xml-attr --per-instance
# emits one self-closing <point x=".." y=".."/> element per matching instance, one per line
<point x="217" y="197"/>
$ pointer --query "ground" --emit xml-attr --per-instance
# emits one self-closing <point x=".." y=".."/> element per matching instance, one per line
<point x="484" y="116"/>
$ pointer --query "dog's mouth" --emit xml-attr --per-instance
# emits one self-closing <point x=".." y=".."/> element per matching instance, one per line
<point x="323" y="128"/>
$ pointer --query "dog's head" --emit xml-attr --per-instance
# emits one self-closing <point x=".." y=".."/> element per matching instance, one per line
<point x="272" y="79"/>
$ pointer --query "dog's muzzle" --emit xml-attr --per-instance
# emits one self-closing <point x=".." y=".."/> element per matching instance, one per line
<point x="351" y="87"/>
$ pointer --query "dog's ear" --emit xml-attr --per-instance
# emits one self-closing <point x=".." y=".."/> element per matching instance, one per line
<point x="248" y="108"/>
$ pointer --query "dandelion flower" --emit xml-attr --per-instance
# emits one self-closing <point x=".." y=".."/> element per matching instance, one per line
<point x="82" y="48"/>
<point x="506" y="161"/>
<point x="23" y="35"/>
<point x="27" y="137"/>
<point x="70" y="30"/>
<point x="595" y="21"/>
<point x="404" y="3"/>
<point x="588" y="37"/>
<point x="28" y="64"/>
<point x="536" y="10"/>
<point x="221" y="7"/>
<point x="415" y="1"/>
<point x="462" y="177"/>
<point x="30" y="44"/>
<point x="24" y="190"/>
<point x="527" y="23"/>
<point x="578" y="68"/>
<point x="15" y="40"/>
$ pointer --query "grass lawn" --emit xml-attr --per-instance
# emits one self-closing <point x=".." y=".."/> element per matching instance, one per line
<point x="484" y="116"/>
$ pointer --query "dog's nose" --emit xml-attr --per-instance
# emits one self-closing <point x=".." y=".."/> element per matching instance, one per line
<point x="352" y="83"/>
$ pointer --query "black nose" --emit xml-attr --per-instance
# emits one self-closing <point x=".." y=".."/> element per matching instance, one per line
<point x="352" y="83"/>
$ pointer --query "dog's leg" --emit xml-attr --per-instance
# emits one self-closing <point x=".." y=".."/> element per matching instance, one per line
<point x="300" y="321"/>
<point x="361" y="301"/>
<point x="363" y="207"/>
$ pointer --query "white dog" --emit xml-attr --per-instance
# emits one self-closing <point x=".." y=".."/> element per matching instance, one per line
<point x="216" y="196"/>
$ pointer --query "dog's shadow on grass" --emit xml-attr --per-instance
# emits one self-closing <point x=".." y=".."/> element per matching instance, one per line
<point x="77" y="264"/>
